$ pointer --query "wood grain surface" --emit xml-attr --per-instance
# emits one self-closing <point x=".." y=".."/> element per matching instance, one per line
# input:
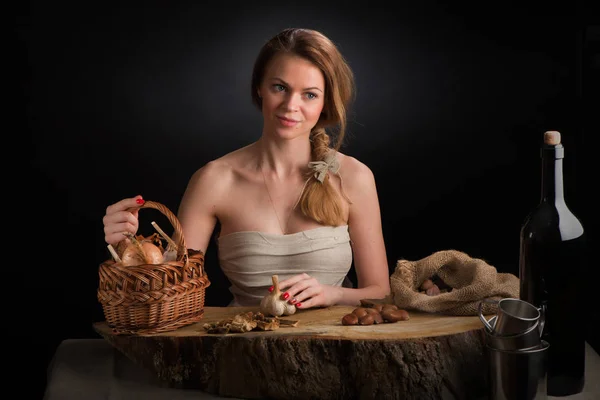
<point x="428" y="356"/>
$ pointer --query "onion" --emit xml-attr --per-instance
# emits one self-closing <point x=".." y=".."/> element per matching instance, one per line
<point x="138" y="253"/>
<point x="153" y="253"/>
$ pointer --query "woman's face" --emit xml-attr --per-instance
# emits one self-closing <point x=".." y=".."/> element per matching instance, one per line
<point x="293" y="95"/>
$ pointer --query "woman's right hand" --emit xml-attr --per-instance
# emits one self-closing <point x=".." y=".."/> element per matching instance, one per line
<point x="121" y="217"/>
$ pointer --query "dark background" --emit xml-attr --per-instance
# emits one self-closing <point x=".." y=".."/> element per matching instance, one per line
<point x="120" y="100"/>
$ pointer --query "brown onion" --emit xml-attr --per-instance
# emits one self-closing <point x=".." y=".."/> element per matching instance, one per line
<point x="141" y="253"/>
<point x="153" y="253"/>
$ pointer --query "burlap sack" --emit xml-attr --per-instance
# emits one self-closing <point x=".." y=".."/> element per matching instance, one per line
<point x="471" y="280"/>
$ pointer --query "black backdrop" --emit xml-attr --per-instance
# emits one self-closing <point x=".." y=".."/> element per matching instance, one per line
<point x="452" y="103"/>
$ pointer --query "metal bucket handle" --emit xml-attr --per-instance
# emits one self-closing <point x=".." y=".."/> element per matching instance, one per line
<point x="481" y="317"/>
<point x="542" y="310"/>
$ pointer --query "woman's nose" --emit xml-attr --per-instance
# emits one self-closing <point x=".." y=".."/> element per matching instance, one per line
<point x="292" y="102"/>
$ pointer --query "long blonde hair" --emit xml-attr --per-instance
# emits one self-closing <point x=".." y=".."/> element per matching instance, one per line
<point x="319" y="201"/>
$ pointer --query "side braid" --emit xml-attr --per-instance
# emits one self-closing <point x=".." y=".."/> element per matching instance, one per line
<point x="320" y="201"/>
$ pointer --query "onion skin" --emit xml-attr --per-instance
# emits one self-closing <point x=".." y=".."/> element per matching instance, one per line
<point x="144" y="253"/>
<point x="153" y="253"/>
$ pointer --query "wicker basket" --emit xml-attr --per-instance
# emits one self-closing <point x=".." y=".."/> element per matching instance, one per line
<point x="152" y="298"/>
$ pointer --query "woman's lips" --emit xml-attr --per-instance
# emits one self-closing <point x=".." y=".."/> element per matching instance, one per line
<point x="286" y="121"/>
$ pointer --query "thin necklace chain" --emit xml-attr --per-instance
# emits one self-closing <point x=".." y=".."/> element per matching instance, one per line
<point x="284" y="231"/>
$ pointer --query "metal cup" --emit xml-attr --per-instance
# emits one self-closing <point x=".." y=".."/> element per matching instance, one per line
<point x="514" y="316"/>
<point x="518" y="374"/>
<point x="527" y="340"/>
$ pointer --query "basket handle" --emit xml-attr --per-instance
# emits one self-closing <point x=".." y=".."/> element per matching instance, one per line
<point x="181" y="246"/>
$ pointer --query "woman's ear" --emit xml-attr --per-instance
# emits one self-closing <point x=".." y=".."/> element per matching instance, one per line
<point x="258" y="93"/>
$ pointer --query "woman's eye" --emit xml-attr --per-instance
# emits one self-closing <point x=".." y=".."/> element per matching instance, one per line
<point x="311" y="96"/>
<point x="279" y="87"/>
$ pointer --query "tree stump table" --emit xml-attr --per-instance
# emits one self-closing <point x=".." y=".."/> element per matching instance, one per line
<point x="426" y="357"/>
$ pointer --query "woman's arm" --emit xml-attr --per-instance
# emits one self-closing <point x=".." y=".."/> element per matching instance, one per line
<point x="364" y="222"/>
<point x="199" y="205"/>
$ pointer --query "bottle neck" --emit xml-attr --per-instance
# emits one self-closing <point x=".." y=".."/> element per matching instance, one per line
<point x="552" y="173"/>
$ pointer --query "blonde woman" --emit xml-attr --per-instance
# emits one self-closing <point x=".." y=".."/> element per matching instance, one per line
<point x="290" y="203"/>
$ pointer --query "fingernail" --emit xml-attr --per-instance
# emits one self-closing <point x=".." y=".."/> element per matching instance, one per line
<point x="140" y="201"/>
<point x="286" y="295"/>
<point x="298" y="304"/>
<point x="292" y="301"/>
<point x="271" y="288"/>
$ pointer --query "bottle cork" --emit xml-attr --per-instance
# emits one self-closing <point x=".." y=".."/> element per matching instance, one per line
<point x="552" y="138"/>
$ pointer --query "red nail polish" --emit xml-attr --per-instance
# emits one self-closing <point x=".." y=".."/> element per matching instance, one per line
<point x="140" y="201"/>
<point x="286" y="295"/>
<point x="298" y="304"/>
<point x="271" y="288"/>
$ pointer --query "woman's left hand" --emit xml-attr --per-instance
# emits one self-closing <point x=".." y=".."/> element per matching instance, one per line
<point x="305" y="292"/>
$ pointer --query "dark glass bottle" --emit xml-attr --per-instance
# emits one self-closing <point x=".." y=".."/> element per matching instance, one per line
<point x="552" y="266"/>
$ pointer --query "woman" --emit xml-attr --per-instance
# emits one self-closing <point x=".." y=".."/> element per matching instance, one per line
<point x="289" y="203"/>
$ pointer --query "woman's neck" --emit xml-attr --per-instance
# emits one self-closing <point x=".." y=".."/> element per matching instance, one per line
<point x="284" y="157"/>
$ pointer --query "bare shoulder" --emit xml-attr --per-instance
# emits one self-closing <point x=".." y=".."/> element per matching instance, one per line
<point x="357" y="175"/>
<point x="214" y="175"/>
<point x="220" y="172"/>
<point x="215" y="178"/>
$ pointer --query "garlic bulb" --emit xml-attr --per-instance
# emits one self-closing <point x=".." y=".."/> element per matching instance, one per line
<point x="273" y="305"/>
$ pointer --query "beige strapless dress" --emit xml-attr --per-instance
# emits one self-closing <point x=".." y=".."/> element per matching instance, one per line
<point x="249" y="259"/>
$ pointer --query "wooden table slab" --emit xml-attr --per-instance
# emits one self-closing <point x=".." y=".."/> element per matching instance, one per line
<point x="421" y="358"/>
